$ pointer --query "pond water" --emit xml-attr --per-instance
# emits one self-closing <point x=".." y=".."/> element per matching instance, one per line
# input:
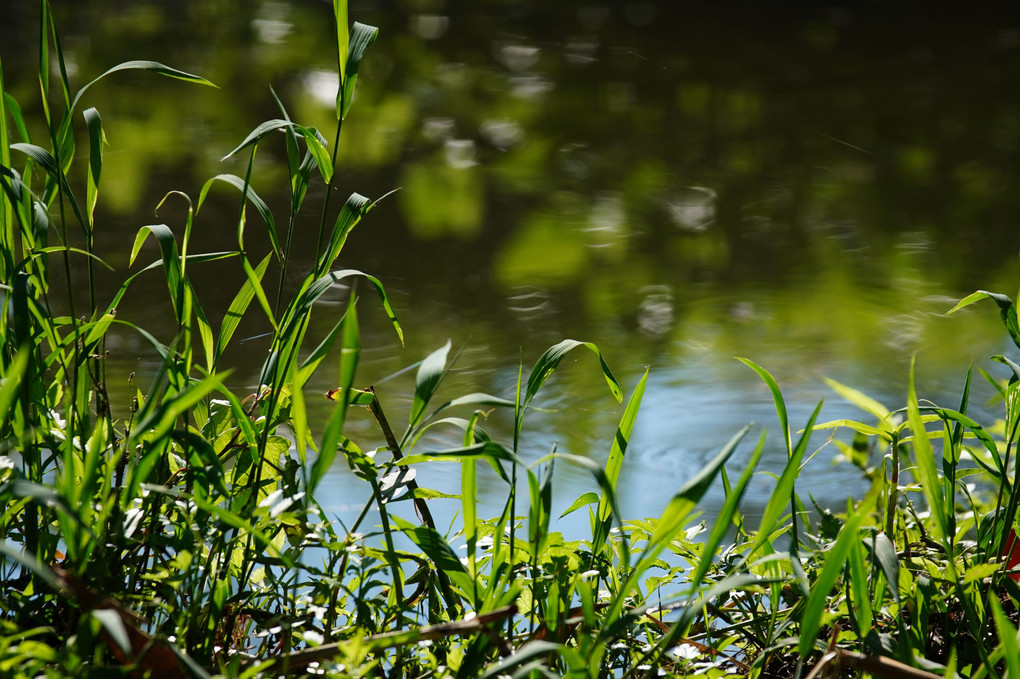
<point x="809" y="187"/>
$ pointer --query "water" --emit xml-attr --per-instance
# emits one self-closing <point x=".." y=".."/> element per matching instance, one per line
<point x="810" y="188"/>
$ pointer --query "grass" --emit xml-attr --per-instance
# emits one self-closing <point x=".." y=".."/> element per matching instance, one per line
<point x="184" y="538"/>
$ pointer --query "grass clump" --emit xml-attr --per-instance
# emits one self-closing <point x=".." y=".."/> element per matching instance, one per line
<point x="183" y="537"/>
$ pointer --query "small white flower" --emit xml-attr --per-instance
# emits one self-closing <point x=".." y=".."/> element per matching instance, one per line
<point x="589" y="574"/>
<point x="686" y="652"/>
<point x="270" y="499"/>
<point x="6" y="462"/>
<point x="425" y="643"/>
<point x="312" y="638"/>
<point x="695" y="531"/>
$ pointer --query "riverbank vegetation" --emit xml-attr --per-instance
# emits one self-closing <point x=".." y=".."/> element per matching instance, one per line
<point x="184" y="534"/>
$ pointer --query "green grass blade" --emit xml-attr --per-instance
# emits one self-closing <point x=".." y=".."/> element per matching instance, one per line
<point x="361" y="37"/>
<point x="780" y="498"/>
<point x="349" y="354"/>
<point x="1007" y="634"/>
<point x="726" y="515"/>
<point x="615" y="462"/>
<point x="343" y="38"/>
<point x="859" y="399"/>
<point x="170" y="260"/>
<point x="777" y="398"/>
<point x="430" y="374"/>
<point x="142" y="65"/>
<point x="927" y="474"/>
<point x="1007" y="310"/>
<point x="96" y="141"/>
<point x="548" y="362"/>
<point x="260" y="294"/>
<point x="260" y="205"/>
<point x="835" y="559"/>
<point x="238" y="307"/>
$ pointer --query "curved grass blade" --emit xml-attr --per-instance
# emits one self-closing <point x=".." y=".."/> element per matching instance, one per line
<point x="171" y="262"/>
<point x="142" y="65"/>
<point x="550" y="360"/>
<point x="777" y="398"/>
<point x="313" y="292"/>
<point x="1007" y="310"/>
<point x="430" y="374"/>
<point x="260" y="205"/>
<point x="361" y="37"/>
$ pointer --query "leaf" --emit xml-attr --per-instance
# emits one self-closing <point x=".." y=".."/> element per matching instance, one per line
<point x="1007" y="310"/>
<point x="884" y="553"/>
<point x="260" y="205"/>
<point x="550" y="360"/>
<point x="777" y="398"/>
<point x="680" y="507"/>
<point x="171" y="262"/>
<point x="615" y="461"/>
<point x="96" y="139"/>
<point x="343" y="37"/>
<point x="725" y="519"/>
<point x="153" y="66"/>
<point x="859" y="399"/>
<point x="114" y="626"/>
<point x="835" y="559"/>
<point x="591" y="497"/>
<point x="238" y="307"/>
<point x="362" y="36"/>
<point x="927" y="474"/>
<point x="349" y="353"/>
<point x="430" y="373"/>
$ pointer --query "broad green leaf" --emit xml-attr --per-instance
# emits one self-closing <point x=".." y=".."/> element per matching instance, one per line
<point x="615" y="461"/>
<point x="430" y="374"/>
<point x="859" y="399"/>
<point x="588" y="498"/>
<point x="362" y="36"/>
<point x="96" y="140"/>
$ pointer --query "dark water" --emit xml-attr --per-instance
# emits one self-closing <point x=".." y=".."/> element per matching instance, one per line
<point x="809" y="186"/>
